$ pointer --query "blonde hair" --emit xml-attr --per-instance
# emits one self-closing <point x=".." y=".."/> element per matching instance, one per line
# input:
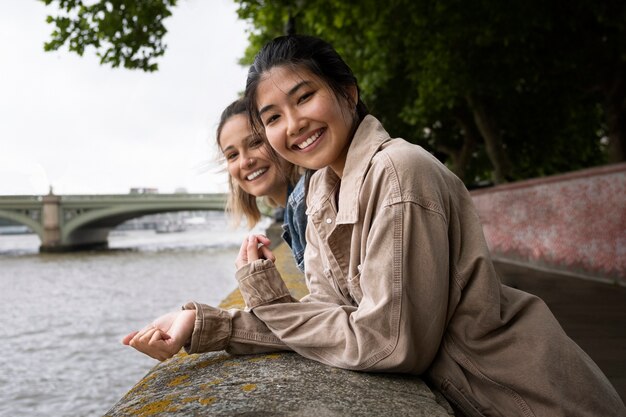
<point x="240" y="203"/>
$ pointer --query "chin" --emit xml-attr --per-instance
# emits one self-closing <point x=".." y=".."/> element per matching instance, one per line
<point x="314" y="165"/>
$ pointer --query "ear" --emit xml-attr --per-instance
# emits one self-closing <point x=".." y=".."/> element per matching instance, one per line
<point x="353" y="93"/>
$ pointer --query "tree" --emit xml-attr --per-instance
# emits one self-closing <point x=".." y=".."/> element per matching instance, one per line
<point x="479" y="79"/>
<point x="592" y="47"/>
<point x="497" y="90"/>
<point x="127" y="33"/>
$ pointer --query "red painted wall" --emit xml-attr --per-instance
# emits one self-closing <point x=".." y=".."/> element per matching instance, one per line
<point x="574" y="222"/>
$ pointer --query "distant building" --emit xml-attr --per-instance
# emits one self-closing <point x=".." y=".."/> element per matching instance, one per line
<point x="144" y="190"/>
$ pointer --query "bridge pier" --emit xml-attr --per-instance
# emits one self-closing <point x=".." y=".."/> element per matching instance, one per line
<point x="51" y="219"/>
<point x="52" y="240"/>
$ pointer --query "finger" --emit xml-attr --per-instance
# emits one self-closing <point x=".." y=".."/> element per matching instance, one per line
<point x="126" y="340"/>
<point x="146" y="329"/>
<point x="159" y="349"/>
<point x="143" y="338"/>
<point x="242" y="257"/>
<point x="253" y="249"/>
<point x="156" y="337"/>
<point x="267" y="253"/>
<point x="264" y="240"/>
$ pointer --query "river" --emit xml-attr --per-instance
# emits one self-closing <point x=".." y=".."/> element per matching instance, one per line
<point x="63" y="315"/>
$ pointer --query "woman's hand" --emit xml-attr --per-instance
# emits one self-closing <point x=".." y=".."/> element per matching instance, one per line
<point x="254" y="247"/>
<point x="165" y="336"/>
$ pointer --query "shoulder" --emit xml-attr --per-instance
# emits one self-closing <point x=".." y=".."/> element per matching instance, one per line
<point x="408" y="161"/>
<point x="411" y="159"/>
<point x="408" y="173"/>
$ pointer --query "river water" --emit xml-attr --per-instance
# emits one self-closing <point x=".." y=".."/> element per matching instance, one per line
<point x="63" y="315"/>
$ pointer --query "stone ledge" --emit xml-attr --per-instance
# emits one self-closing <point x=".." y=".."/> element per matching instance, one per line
<point x="281" y="384"/>
<point x="277" y="384"/>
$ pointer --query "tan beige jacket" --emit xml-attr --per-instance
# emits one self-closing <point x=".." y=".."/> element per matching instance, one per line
<point x="400" y="280"/>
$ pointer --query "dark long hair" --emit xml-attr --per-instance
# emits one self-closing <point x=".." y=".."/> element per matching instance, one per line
<point x="298" y="52"/>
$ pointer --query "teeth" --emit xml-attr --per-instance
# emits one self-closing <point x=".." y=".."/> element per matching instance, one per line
<point x="310" y="140"/>
<point x="256" y="174"/>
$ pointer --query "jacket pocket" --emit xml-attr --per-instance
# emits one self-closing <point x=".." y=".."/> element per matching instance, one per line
<point x="459" y="401"/>
<point x="354" y="287"/>
<point x="340" y="286"/>
<point x="488" y="385"/>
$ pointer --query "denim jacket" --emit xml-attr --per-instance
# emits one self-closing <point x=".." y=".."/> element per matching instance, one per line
<point x="294" y="226"/>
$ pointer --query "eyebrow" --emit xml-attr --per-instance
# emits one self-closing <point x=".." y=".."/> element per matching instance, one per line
<point x="293" y="90"/>
<point x="245" y="139"/>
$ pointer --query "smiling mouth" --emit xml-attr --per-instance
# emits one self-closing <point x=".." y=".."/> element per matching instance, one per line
<point x="256" y="174"/>
<point x="309" y="141"/>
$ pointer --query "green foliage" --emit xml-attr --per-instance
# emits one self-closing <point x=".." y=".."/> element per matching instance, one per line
<point x="427" y="70"/>
<point x="497" y="90"/>
<point x="127" y="33"/>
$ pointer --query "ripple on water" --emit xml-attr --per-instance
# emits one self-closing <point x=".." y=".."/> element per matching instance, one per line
<point x="68" y="312"/>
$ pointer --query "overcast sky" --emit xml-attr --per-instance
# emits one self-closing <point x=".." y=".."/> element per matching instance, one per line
<point x="67" y="122"/>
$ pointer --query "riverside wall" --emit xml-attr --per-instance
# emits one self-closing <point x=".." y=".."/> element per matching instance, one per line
<point x="274" y="384"/>
<point x="573" y="223"/>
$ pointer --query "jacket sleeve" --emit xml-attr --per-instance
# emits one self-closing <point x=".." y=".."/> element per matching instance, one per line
<point x="400" y="319"/>
<point x="236" y="331"/>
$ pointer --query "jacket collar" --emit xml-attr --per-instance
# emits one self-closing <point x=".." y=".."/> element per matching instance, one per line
<point x="367" y="140"/>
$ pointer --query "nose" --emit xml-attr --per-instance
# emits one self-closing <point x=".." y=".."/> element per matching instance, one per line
<point x="246" y="161"/>
<point x="296" y="124"/>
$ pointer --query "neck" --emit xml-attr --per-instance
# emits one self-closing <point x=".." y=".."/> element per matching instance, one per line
<point x="340" y="163"/>
<point x="280" y="196"/>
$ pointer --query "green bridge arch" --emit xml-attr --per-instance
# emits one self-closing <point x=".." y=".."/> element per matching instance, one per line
<point x="16" y="217"/>
<point x="72" y="222"/>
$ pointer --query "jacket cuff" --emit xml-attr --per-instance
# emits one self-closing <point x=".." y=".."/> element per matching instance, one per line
<point x="211" y="331"/>
<point x="260" y="283"/>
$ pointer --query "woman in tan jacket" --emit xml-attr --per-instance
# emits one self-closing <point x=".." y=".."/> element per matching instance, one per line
<point x="397" y="265"/>
<point x="398" y="270"/>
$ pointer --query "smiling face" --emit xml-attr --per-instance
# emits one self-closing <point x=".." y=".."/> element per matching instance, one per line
<point x="304" y="120"/>
<point x="248" y="161"/>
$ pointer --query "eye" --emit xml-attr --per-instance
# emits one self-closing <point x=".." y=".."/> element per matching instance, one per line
<point x="304" y="97"/>
<point x="270" y="119"/>
<point x="231" y="156"/>
<point x="255" y="143"/>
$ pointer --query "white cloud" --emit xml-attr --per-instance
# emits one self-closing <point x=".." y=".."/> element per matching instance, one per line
<point x="85" y="128"/>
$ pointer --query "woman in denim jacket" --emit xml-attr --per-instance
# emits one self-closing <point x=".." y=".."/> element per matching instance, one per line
<point x="255" y="170"/>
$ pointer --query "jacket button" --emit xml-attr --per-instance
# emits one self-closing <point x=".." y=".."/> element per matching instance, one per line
<point x="329" y="220"/>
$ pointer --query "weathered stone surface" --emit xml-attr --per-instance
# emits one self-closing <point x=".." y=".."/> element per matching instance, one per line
<point x="278" y="384"/>
<point x="282" y="384"/>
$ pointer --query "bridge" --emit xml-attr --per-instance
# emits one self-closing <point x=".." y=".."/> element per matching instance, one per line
<point x="74" y="222"/>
